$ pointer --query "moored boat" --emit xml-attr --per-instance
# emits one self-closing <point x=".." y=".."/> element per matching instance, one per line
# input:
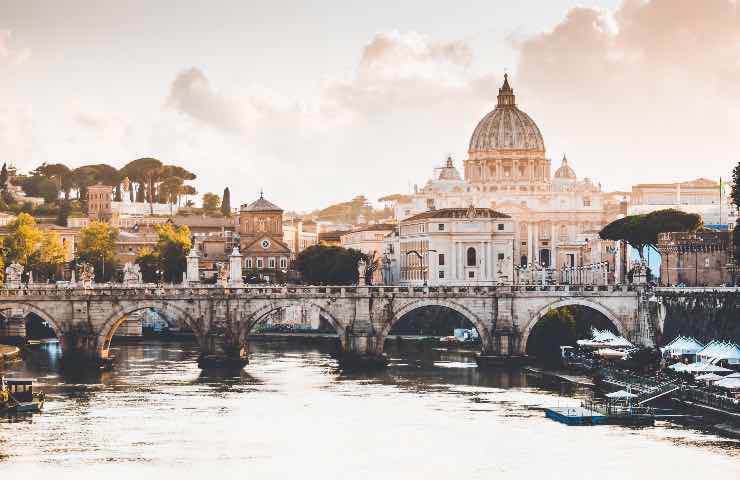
<point x="17" y="396"/>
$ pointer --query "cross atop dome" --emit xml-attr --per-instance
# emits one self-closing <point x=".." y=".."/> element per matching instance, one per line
<point x="506" y="93"/>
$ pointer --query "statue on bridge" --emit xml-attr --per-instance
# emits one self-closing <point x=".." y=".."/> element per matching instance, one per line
<point x="223" y="275"/>
<point x="13" y="273"/>
<point x="87" y="275"/>
<point x="131" y="274"/>
<point x="361" y="270"/>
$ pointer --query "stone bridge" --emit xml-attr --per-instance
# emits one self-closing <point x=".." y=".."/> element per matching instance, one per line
<point x="85" y="319"/>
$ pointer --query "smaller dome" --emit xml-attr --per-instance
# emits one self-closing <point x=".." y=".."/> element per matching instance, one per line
<point x="449" y="172"/>
<point x="565" y="171"/>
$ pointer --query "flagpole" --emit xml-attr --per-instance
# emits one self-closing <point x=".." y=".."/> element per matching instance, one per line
<point x="720" y="202"/>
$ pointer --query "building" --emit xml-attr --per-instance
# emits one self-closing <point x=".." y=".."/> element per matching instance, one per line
<point x="101" y="206"/>
<point x="331" y="238"/>
<point x="130" y="244"/>
<point x="455" y="246"/>
<point x="507" y="170"/>
<point x="700" y="196"/>
<point x="299" y="234"/>
<point x="703" y="258"/>
<point x="369" y="239"/>
<point x="99" y="200"/>
<point x="261" y="236"/>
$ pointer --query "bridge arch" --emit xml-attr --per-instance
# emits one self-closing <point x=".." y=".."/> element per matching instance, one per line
<point x="483" y="330"/>
<point x="106" y="332"/>
<point x="582" y="302"/>
<point x="258" y="316"/>
<point x="38" y="311"/>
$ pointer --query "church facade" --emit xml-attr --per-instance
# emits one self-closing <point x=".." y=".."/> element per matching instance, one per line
<point x="507" y="170"/>
<point x="261" y="236"/>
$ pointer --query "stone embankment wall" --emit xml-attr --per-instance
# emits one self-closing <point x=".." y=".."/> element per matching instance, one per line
<point x="704" y="315"/>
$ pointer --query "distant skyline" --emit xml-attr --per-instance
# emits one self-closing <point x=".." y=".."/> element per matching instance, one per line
<point x="316" y="102"/>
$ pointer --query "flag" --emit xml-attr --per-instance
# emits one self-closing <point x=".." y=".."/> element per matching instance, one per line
<point x="722" y="185"/>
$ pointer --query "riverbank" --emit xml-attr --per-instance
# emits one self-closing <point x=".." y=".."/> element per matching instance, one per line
<point x="577" y="380"/>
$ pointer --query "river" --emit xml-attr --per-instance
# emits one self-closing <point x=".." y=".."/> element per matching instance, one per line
<point x="292" y="414"/>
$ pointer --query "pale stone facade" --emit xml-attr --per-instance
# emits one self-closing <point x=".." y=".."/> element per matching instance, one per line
<point x="456" y="246"/>
<point x="507" y="170"/>
<point x="369" y="240"/>
<point x="298" y="235"/>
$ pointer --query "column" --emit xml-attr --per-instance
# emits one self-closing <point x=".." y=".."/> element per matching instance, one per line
<point x="483" y="260"/>
<point x="553" y="260"/>
<point x="530" y="242"/>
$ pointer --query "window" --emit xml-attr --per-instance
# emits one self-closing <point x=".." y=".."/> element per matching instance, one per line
<point x="500" y="226"/>
<point x="441" y="259"/>
<point x="523" y="261"/>
<point x="249" y="263"/>
<point x="586" y="202"/>
<point x="500" y="256"/>
<point x="441" y="274"/>
<point x="272" y="263"/>
<point x="283" y="263"/>
<point x="472" y="260"/>
<point x="441" y="227"/>
<point x="259" y="263"/>
<point x="471" y="274"/>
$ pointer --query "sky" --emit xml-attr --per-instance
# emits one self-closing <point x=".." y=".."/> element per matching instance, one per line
<point x="317" y="102"/>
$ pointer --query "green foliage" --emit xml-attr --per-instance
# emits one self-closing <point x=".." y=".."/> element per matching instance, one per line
<point x="4" y="177"/>
<point x="97" y="246"/>
<point x="735" y="194"/>
<point x="331" y="265"/>
<point x="23" y="239"/>
<point x="226" y="203"/>
<point x="50" y="256"/>
<point x="39" y="186"/>
<point x="173" y="246"/>
<point x="149" y="263"/>
<point x="211" y="201"/>
<point x="642" y="230"/>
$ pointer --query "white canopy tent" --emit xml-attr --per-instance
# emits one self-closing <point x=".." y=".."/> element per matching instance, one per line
<point x="730" y="383"/>
<point x="719" y="350"/>
<point x="682" y="346"/>
<point x="621" y="395"/>
<point x="605" y="338"/>
<point x="709" y="377"/>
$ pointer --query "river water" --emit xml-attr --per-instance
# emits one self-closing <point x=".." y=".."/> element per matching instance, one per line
<point x="292" y="414"/>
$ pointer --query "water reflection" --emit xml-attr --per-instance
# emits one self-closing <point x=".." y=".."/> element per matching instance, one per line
<point x="293" y="413"/>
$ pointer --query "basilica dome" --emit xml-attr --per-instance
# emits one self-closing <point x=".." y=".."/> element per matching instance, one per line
<point x="565" y="171"/>
<point x="506" y="128"/>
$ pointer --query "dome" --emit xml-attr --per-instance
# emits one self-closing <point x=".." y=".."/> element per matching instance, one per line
<point x="565" y="171"/>
<point x="506" y="127"/>
<point x="448" y="172"/>
<point x="261" y="205"/>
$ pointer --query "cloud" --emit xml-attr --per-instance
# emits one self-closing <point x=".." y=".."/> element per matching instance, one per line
<point x="16" y="135"/>
<point x="401" y="71"/>
<point x="106" y="127"/>
<point x="8" y="54"/>
<point x="191" y="94"/>
<point x="654" y="83"/>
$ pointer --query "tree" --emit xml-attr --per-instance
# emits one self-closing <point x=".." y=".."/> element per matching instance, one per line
<point x="50" y="256"/>
<point x="144" y="171"/>
<point x="97" y="246"/>
<point x="4" y="177"/>
<point x="40" y="186"/>
<point x="735" y="194"/>
<point x="59" y="173"/>
<point x="23" y="239"/>
<point x="64" y="210"/>
<point x="641" y="231"/>
<point x="226" y="203"/>
<point x="173" y="246"/>
<point x="330" y="265"/>
<point x="211" y="201"/>
<point x="148" y="261"/>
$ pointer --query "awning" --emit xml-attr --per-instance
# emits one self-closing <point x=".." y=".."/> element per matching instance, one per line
<point x="709" y="377"/>
<point x="621" y="395"/>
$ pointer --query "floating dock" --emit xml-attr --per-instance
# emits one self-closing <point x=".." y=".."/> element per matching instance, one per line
<point x="575" y="416"/>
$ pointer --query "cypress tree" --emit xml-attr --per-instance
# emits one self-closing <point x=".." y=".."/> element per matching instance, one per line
<point x="226" y="203"/>
<point x="3" y="177"/>
<point x="118" y="197"/>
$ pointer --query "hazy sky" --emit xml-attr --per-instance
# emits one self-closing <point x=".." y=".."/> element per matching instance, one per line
<point x="318" y="101"/>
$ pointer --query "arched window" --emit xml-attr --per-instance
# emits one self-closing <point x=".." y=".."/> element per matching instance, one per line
<point x="471" y="258"/>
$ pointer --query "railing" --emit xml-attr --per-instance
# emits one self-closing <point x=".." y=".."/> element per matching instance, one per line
<point x="116" y="289"/>
<point x="711" y="399"/>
